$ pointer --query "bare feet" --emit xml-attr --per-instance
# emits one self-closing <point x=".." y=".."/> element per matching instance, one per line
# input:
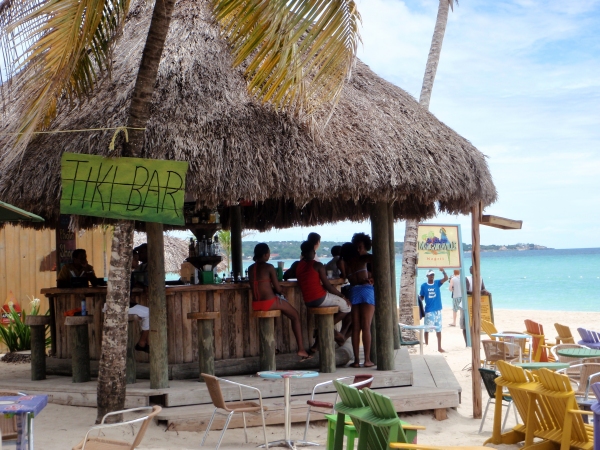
<point x="368" y="364"/>
<point x="356" y="365"/>
<point x="441" y="350"/>
<point x="339" y="338"/>
<point x="303" y="354"/>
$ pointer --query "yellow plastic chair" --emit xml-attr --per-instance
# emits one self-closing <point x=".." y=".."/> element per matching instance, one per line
<point x="488" y="328"/>
<point x="557" y="397"/>
<point x="564" y="334"/>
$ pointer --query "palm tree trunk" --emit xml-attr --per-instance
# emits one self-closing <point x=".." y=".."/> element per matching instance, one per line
<point x="409" y="254"/>
<point x="111" y="372"/>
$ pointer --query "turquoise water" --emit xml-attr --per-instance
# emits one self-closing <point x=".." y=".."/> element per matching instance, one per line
<point x="556" y="280"/>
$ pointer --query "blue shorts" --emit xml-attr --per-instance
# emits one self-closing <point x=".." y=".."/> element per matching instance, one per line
<point x="434" y="319"/>
<point x="362" y="293"/>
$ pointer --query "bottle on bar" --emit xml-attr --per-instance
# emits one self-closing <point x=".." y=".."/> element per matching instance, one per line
<point x="231" y="274"/>
<point x="209" y="251"/>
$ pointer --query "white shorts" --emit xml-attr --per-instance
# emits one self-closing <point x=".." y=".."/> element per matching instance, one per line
<point x="334" y="300"/>
<point x="142" y="312"/>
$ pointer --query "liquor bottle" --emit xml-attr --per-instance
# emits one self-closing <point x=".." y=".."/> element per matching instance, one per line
<point x="210" y="251"/>
<point x="192" y="249"/>
<point x="246" y="278"/>
<point x="231" y="274"/>
<point x="217" y="217"/>
<point x="203" y="246"/>
<point x="216" y="246"/>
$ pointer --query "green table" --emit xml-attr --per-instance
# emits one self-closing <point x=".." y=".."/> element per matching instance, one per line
<point x="542" y="365"/>
<point x="579" y="352"/>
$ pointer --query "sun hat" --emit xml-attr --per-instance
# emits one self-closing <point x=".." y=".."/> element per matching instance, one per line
<point x="431" y="272"/>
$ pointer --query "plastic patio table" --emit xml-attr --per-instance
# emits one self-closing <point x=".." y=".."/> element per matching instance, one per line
<point x="287" y="375"/>
<point x="422" y="329"/>
<point x="24" y="408"/>
<point x="512" y="337"/>
<point x="542" y="365"/>
<point x="579" y="352"/>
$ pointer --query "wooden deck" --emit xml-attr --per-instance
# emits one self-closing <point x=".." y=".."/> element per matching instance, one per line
<point x="417" y="383"/>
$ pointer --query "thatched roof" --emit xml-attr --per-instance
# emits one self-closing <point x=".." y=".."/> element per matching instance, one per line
<point x="379" y="145"/>
<point x="176" y="250"/>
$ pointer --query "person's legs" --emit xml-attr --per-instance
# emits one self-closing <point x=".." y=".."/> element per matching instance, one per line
<point x="439" y="339"/>
<point x="343" y="310"/>
<point x="143" y="313"/>
<point x="462" y="324"/>
<point x="290" y="312"/>
<point x="356" y="334"/>
<point x="453" y="324"/>
<point x="366" y="317"/>
<point x="437" y="322"/>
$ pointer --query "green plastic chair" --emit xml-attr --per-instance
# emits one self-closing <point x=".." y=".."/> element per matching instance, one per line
<point x="349" y="431"/>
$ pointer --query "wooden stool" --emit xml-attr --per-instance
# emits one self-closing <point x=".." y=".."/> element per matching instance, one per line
<point x="206" y="340"/>
<point x="266" y="338"/>
<point x="38" y="345"/>
<point x="80" y="347"/>
<point x="131" y="366"/>
<point x="325" y="332"/>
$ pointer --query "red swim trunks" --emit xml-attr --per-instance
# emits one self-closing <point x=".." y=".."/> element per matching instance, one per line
<point x="263" y="305"/>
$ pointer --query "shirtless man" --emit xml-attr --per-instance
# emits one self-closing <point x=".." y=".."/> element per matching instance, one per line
<point x="264" y="284"/>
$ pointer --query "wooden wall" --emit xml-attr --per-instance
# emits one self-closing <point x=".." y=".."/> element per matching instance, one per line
<point x="28" y="257"/>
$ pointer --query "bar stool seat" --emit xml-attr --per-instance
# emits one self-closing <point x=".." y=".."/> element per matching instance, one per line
<point x="266" y="338"/>
<point x="38" y="345"/>
<point x="80" y="347"/>
<point x="325" y="332"/>
<point x="206" y="340"/>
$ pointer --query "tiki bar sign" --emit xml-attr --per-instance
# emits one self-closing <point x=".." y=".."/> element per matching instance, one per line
<point x="438" y="246"/>
<point x="123" y="188"/>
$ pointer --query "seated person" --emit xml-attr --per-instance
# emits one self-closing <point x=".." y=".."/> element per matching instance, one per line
<point x="316" y="289"/>
<point x="79" y="268"/>
<point x="333" y="264"/>
<point x="263" y="280"/>
<point x="315" y="240"/>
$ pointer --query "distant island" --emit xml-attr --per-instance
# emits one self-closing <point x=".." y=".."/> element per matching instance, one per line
<point x="291" y="249"/>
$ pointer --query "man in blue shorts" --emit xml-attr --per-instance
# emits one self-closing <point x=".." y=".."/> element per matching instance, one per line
<point x="430" y="293"/>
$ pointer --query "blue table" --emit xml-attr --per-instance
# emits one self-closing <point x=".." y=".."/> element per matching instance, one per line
<point x="286" y="376"/>
<point x="24" y="408"/>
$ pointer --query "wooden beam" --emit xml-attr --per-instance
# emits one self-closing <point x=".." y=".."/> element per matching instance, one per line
<point x="383" y="295"/>
<point x="393" y="275"/>
<point x="476" y="318"/>
<point x="237" y="264"/>
<point x="157" y="302"/>
<point x="501" y="222"/>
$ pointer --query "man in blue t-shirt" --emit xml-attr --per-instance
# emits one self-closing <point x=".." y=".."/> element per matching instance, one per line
<point x="430" y="293"/>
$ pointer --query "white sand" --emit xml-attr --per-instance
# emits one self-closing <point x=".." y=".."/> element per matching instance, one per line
<point x="61" y="427"/>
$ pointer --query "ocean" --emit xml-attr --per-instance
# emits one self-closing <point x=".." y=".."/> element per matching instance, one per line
<point x="556" y="280"/>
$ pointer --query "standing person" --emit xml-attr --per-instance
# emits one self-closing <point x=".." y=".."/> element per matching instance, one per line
<point x="456" y="290"/>
<point x="263" y="280"/>
<point x="333" y="264"/>
<point x="315" y="240"/>
<point x="362" y="297"/>
<point x="316" y="289"/>
<point x="430" y="292"/>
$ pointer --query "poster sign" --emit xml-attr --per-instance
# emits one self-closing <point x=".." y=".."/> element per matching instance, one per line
<point x="487" y="310"/>
<point x="123" y="188"/>
<point x="438" y="246"/>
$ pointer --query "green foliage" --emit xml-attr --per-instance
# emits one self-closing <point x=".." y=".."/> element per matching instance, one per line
<point x="16" y="335"/>
<point x="225" y="243"/>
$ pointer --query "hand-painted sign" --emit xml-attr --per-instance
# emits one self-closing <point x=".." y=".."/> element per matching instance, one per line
<point x="486" y="307"/>
<point x="123" y="188"/>
<point x="438" y="246"/>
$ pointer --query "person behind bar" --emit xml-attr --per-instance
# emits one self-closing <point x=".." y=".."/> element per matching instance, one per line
<point x="316" y="289"/>
<point x="267" y="293"/>
<point x="79" y="268"/>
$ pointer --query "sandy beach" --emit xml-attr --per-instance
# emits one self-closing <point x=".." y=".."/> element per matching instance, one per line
<point x="61" y="427"/>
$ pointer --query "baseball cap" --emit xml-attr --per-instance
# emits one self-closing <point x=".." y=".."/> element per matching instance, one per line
<point x="431" y="272"/>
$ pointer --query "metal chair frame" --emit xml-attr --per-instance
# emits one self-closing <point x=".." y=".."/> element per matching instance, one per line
<point x="507" y="345"/>
<point x="230" y="414"/>
<point x="492" y="400"/>
<point x="588" y="382"/>
<point x="358" y="385"/>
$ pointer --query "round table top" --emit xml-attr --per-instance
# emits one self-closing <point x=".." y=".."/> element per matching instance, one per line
<point x="542" y="365"/>
<point x="512" y="335"/>
<point x="288" y="374"/>
<point x="578" y="352"/>
<point x="417" y="327"/>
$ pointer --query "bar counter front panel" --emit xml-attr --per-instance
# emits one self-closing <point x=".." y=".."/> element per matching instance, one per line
<point x="236" y="332"/>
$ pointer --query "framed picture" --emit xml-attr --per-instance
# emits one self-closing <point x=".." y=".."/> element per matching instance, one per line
<point x="439" y="246"/>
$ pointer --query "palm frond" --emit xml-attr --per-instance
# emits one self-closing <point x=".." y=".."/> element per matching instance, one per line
<point x="53" y="49"/>
<point x="298" y="52"/>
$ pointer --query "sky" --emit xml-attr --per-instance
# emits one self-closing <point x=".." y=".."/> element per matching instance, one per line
<point x="521" y="80"/>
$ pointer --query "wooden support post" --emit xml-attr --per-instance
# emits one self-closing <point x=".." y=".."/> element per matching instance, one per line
<point x="157" y="302"/>
<point x="476" y="317"/>
<point x="206" y="341"/>
<point x="266" y="338"/>
<point x="131" y="370"/>
<point x="384" y="315"/>
<point x="235" y="218"/>
<point x="52" y="309"/>
<point x="38" y="345"/>
<point x="374" y="340"/>
<point x="325" y="331"/>
<point x="393" y="275"/>
<point x="80" y="347"/>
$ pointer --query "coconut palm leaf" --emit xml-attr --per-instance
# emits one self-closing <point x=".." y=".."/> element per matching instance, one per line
<point x="298" y="52"/>
<point x="53" y="49"/>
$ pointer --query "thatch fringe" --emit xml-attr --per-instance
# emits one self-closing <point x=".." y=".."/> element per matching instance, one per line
<point x="379" y="145"/>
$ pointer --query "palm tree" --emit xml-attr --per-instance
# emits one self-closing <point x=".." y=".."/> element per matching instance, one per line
<point x="298" y="55"/>
<point x="409" y="254"/>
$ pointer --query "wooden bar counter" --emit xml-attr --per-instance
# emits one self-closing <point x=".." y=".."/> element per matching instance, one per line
<point x="236" y="332"/>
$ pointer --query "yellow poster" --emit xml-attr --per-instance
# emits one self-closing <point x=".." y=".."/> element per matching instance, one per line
<point x="487" y="312"/>
<point x="438" y="246"/>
